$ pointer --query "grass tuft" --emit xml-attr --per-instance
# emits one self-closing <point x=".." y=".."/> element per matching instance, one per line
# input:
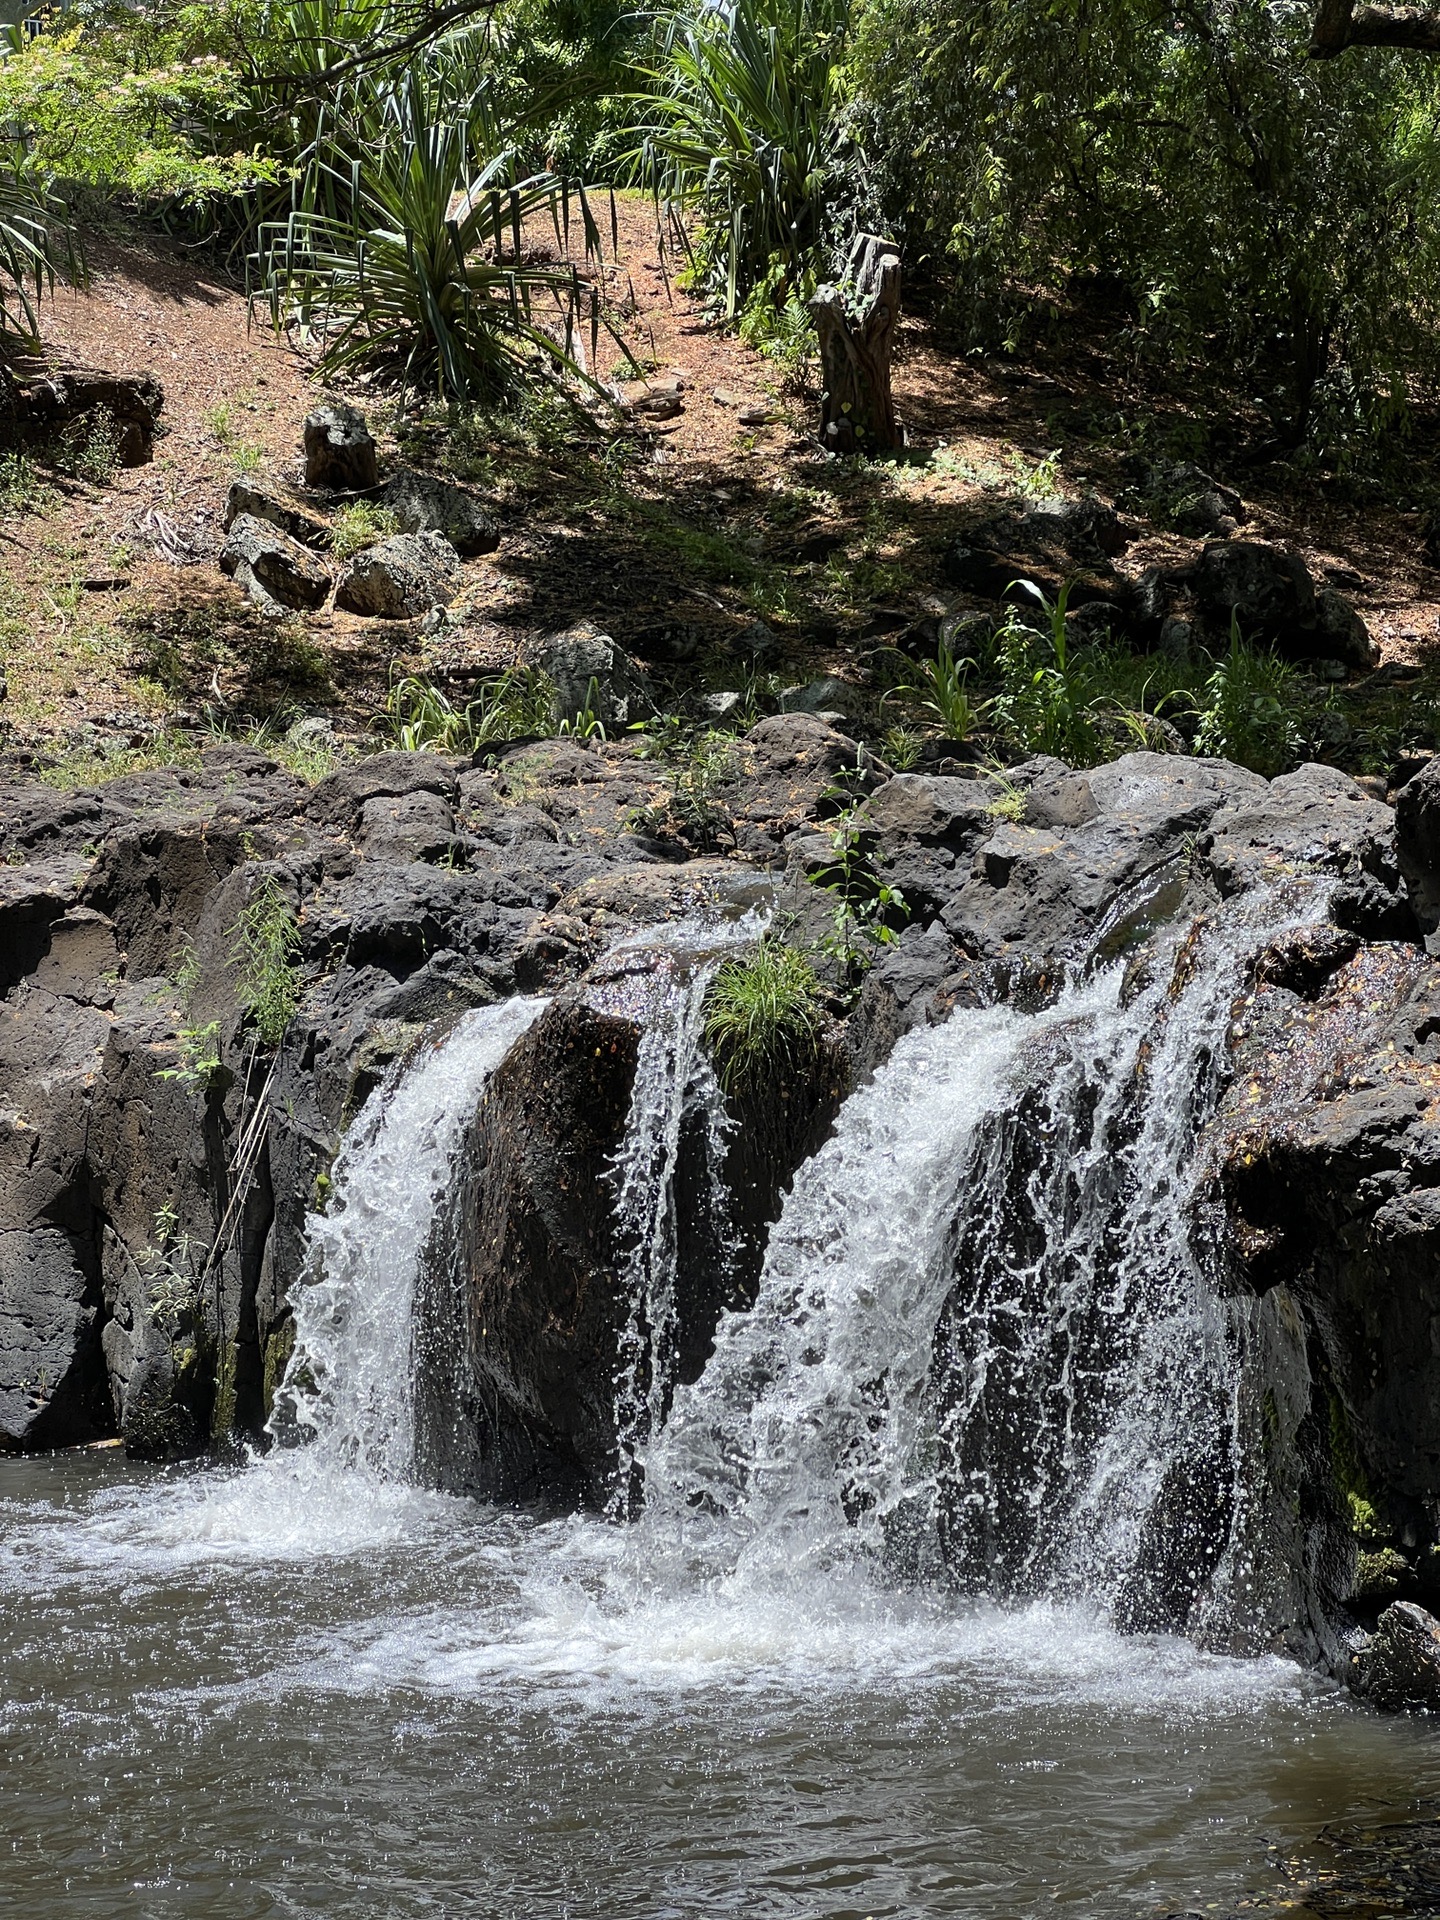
<point x="762" y="1015"/>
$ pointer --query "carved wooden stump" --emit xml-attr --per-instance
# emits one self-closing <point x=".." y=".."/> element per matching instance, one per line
<point x="856" y="323"/>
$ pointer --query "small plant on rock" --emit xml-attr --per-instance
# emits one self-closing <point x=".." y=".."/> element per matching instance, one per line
<point x="266" y="946"/>
<point x="199" y="1058"/>
<point x="868" y="910"/>
<point x="514" y="706"/>
<point x="762" y="1015"/>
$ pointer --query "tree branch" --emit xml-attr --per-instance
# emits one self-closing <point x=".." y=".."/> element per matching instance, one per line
<point x="1340" y="24"/>
<point x="433" y="25"/>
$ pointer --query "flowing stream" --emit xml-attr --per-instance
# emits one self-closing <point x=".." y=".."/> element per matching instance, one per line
<point x="857" y="1656"/>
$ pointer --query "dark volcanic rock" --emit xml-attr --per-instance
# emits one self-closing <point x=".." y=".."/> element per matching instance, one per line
<point x="421" y="503"/>
<point x="254" y="502"/>
<point x="276" y="571"/>
<point x="1400" y="1667"/>
<point x="340" y="454"/>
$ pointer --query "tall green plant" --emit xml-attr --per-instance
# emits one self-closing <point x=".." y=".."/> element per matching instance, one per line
<point x="740" y="130"/>
<point x="427" y="281"/>
<point x="1252" y="709"/>
<point x="1049" y="691"/>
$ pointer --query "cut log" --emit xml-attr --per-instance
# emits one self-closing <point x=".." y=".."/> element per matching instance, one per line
<point x="39" y="397"/>
<point x="856" y="324"/>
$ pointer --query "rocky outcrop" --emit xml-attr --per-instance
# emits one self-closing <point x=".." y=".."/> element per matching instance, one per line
<point x="258" y="504"/>
<point x="591" y="674"/>
<point x="1400" y="1665"/>
<point x="527" y="1302"/>
<point x="1269" y="591"/>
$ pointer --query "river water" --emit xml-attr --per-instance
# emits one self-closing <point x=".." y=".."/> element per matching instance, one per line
<point x="306" y="1687"/>
<point x="273" y="1693"/>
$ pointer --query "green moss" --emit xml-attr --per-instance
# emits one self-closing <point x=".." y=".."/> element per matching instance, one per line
<point x="222" y="1414"/>
<point x="278" y="1349"/>
<point x="1365" y="1522"/>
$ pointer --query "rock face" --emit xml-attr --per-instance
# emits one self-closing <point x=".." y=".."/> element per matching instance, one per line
<point x="525" y="1327"/>
<point x="340" y="455"/>
<point x="276" y="571"/>
<point x="400" y="578"/>
<point x="423" y="504"/>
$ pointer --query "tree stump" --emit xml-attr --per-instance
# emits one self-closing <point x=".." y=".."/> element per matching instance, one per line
<point x="856" y="323"/>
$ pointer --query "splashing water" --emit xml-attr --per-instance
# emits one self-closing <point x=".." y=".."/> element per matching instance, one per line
<point x="350" y="1382"/>
<point x="1022" y="1184"/>
<point x="675" y="1088"/>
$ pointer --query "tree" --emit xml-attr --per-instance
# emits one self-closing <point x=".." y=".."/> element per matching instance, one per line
<point x="1340" y="24"/>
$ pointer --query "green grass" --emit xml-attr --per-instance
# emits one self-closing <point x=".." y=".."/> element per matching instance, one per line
<point x="516" y="704"/>
<point x="360" y="525"/>
<point x="762" y="1015"/>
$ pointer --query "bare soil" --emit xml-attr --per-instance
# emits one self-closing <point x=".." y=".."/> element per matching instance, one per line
<point x="674" y="534"/>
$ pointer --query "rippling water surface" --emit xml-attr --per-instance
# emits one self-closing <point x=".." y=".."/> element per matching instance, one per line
<point x="290" y="1691"/>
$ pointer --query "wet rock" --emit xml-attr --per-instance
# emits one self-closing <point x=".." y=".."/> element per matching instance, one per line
<point x="401" y="578"/>
<point x="254" y="503"/>
<point x="1400" y="1668"/>
<point x="340" y="454"/>
<point x="1417" y="841"/>
<point x="275" y="571"/>
<point x="582" y="655"/>
<point x="421" y="503"/>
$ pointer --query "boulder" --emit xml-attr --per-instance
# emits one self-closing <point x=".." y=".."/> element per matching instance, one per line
<point x="276" y="571"/>
<point x="1086" y="529"/>
<point x="243" y="499"/>
<point x="422" y="503"/>
<point x="581" y="654"/>
<point x="401" y="578"/>
<point x="55" y="397"/>
<point x="1267" y="588"/>
<point x="1341" y="633"/>
<point x="1400" y="1666"/>
<point x="1417" y="841"/>
<point x="1195" y="502"/>
<point x="340" y="455"/>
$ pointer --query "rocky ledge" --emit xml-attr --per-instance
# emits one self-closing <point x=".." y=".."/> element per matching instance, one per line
<point x="164" y="1132"/>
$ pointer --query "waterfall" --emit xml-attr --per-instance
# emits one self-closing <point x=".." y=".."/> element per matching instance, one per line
<point x="349" y="1386"/>
<point x="675" y="1089"/>
<point x="988" y="1344"/>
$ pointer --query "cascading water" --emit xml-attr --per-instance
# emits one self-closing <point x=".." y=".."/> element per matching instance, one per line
<point x="675" y="1089"/>
<point x="1021" y="1185"/>
<point x="350" y="1383"/>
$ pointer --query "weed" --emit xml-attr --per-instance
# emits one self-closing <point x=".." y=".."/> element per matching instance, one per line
<point x="1038" y="482"/>
<point x="943" y="688"/>
<point x="218" y="419"/>
<point x="901" y="748"/>
<point x="265" y="943"/>
<point x="360" y="525"/>
<point x="199" y="1056"/>
<point x="1048" y="701"/>
<point x="1010" y="803"/>
<point x="22" y="488"/>
<point x="586" y="724"/>
<point x="288" y="653"/>
<point x="866" y="906"/>
<point x="1251" y="710"/>
<point x="513" y="706"/>
<point x="89" y="448"/>
<point x="762" y="1015"/>
<point x="93" y="766"/>
<point x="187" y="970"/>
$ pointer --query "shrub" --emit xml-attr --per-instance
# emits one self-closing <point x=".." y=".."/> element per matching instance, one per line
<point x="741" y="130"/>
<point x="762" y="1015"/>
<point x="423" y="278"/>
<point x="943" y="689"/>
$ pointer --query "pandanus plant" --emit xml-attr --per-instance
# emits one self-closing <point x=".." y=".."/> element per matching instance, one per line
<point x="429" y="278"/>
